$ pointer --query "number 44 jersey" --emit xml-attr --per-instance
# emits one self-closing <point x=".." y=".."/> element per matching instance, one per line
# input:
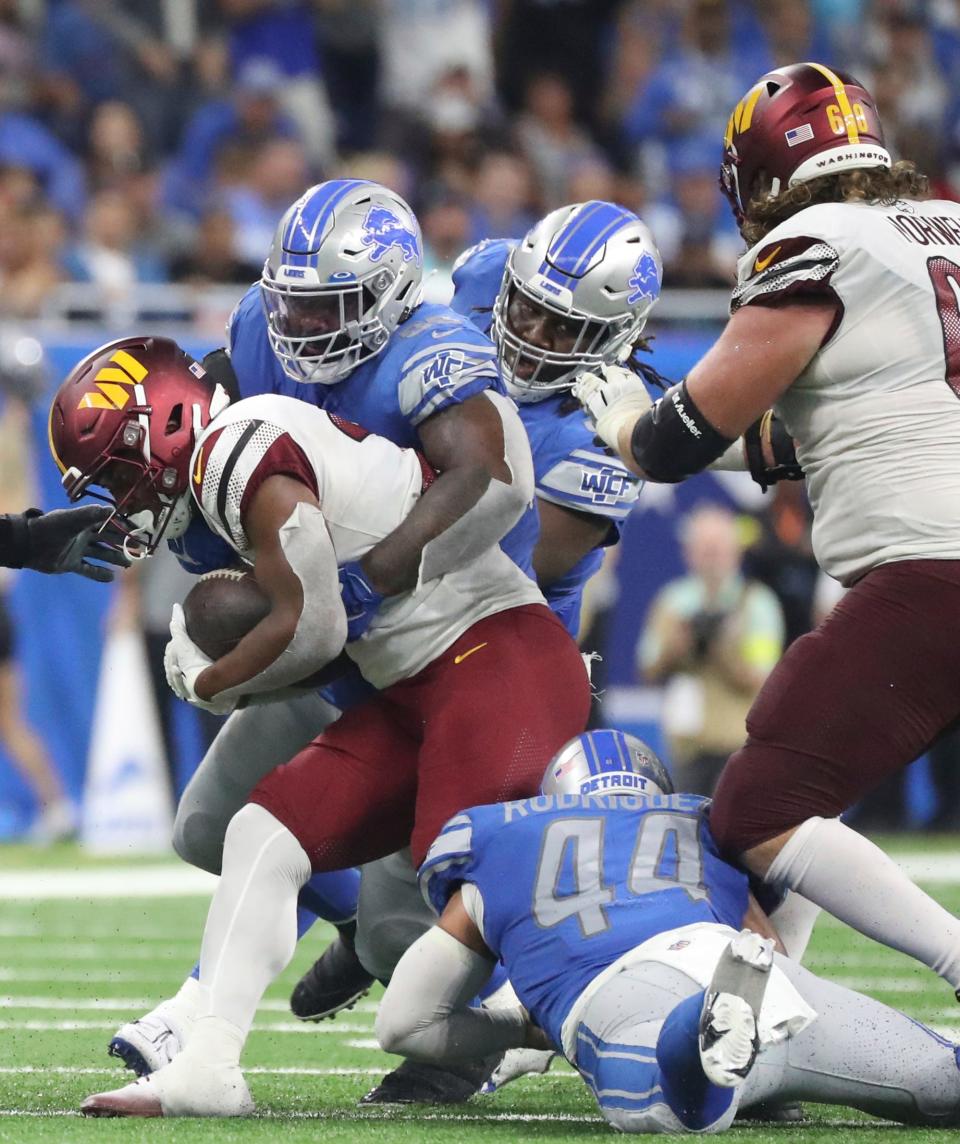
<point x="562" y="886"/>
<point x="876" y="413"/>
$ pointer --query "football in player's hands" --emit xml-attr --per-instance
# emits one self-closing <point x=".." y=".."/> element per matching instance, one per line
<point x="224" y="606"/>
<point x="221" y="608"/>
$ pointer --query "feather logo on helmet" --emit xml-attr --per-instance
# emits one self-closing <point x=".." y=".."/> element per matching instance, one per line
<point x="383" y="230"/>
<point x="645" y="280"/>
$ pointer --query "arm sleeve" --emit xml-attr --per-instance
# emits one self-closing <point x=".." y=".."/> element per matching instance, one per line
<point x="425" y="1012"/>
<point x="457" y="363"/>
<point x="785" y="270"/>
<point x="13" y="541"/>
<point x="592" y="483"/>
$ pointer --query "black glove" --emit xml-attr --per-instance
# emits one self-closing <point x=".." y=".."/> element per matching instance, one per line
<point x="66" y="539"/>
<point x="769" y="436"/>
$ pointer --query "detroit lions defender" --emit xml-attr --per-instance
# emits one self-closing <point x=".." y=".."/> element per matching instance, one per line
<point x="845" y="318"/>
<point x="477" y="682"/>
<point x="612" y="911"/>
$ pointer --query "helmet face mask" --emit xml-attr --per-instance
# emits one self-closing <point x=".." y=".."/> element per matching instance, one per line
<point x="606" y="762"/>
<point x="575" y="294"/>
<point x="125" y="421"/>
<point x="344" y="270"/>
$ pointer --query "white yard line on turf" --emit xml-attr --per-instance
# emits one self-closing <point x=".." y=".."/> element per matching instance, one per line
<point x="40" y="1026"/>
<point x="284" y="1070"/>
<point x="174" y="881"/>
<point x="118" y="1004"/>
<point x="168" y="881"/>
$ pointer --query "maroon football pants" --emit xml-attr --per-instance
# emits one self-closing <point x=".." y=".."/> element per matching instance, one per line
<point x="848" y="704"/>
<point x="477" y="725"/>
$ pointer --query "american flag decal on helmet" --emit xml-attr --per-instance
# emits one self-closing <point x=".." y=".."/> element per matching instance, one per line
<point x="798" y="134"/>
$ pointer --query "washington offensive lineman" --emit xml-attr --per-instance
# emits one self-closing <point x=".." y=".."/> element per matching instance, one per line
<point x="845" y="318"/>
<point x="617" y="920"/>
<point x="471" y="657"/>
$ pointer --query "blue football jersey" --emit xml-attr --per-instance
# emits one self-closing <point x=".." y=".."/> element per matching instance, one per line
<point x="570" y="883"/>
<point x="433" y="360"/>
<point x="570" y="470"/>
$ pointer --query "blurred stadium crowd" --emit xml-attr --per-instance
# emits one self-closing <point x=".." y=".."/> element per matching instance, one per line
<point x="159" y="141"/>
<point x="145" y="141"/>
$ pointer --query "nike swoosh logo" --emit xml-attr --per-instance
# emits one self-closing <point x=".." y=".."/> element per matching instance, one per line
<point x="762" y="263"/>
<point x="197" y="472"/>
<point x="461" y="658"/>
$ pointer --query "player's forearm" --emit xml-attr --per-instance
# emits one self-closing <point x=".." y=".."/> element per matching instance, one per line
<point x="393" y="565"/>
<point x="425" y="1015"/>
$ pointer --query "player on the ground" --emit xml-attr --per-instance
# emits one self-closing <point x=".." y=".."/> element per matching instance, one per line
<point x="477" y="681"/>
<point x="610" y="907"/>
<point x="845" y="318"/>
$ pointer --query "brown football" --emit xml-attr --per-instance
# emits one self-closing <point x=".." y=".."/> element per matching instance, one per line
<point x="221" y="608"/>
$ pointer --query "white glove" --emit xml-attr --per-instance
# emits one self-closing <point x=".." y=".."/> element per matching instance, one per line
<point x="183" y="661"/>
<point x="517" y="1063"/>
<point x="614" y="397"/>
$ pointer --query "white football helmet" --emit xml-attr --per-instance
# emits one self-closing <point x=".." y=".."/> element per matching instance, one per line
<point x="344" y="269"/>
<point x="586" y="277"/>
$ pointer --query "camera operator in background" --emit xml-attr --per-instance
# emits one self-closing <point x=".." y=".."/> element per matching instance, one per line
<point x="711" y="638"/>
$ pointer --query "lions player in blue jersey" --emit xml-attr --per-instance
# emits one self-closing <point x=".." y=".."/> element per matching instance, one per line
<point x="612" y="911"/>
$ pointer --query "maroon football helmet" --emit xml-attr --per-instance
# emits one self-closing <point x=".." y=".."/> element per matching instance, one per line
<point x="797" y="123"/>
<point x="126" y="419"/>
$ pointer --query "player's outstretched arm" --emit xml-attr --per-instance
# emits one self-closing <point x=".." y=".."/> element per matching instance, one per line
<point x="481" y="451"/>
<point x="425" y="1011"/>
<point x="761" y="352"/>
<point x="297" y="568"/>
<point x="64" y="540"/>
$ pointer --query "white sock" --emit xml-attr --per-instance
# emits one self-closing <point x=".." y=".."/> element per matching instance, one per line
<point x="794" y="920"/>
<point x="216" y="1043"/>
<point x="849" y="877"/>
<point x="251" y="929"/>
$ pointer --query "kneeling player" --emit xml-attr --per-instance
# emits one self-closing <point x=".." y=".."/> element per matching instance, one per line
<point x="616" y="919"/>
<point x="478" y="682"/>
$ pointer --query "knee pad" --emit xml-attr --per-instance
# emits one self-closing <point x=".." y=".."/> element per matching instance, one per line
<point x="198" y="840"/>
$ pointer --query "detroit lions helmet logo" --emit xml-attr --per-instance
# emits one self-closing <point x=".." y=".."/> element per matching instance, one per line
<point x="383" y="230"/>
<point x="645" y="281"/>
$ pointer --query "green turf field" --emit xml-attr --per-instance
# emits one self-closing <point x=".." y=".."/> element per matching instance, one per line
<point x="72" y="970"/>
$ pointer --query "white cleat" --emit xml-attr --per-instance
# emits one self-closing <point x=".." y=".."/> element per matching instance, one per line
<point x="183" y="1088"/>
<point x="729" y="1041"/>
<point x="517" y="1063"/>
<point x="153" y="1040"/>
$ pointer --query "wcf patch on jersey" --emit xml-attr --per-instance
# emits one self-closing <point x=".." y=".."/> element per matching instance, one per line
<point x="606" y="485"/>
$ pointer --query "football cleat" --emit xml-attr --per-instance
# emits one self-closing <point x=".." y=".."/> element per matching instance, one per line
<point x="729" y="1041"/>
<point x="772" y="1112"/>
<point x="152" y="1041"/>
<point x="415" y="1082"/>
<point x="517" y="1063"/>
<point x="183" y="1088"/>
<point x="335" y="981"/>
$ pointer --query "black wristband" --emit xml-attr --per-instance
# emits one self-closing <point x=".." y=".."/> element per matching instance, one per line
<point x="673" y="440"/>
<point x="15" y="538"/>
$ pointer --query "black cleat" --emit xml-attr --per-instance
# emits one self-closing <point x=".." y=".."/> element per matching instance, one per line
<point x="416" y="1083"/>
<point x="772" y="1112"/>
<point x="335" y="981"/>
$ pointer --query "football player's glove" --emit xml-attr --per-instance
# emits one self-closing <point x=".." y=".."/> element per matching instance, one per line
<point x="183" y="662"/>
<point x="66" y="539"/>
<point x="770" y="452"/>
<point x="360" y="599"/>
<point x="614" y="397"/>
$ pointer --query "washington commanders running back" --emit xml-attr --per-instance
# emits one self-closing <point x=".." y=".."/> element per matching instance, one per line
<point x="845" y="318"/>
<point x="479" y="682"/>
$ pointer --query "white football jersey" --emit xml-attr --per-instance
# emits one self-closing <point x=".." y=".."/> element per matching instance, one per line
<point x="365" y="486"/>
<point x="876" y="414"/>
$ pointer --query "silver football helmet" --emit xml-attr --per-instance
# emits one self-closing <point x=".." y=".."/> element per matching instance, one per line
<point x="575" y="294"/>
<point x="344" y="269"/>
<point x="606" y="762"/>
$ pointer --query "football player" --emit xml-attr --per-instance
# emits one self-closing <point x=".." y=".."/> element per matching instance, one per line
<point x="477" y="680"/>
<point x="616" y="918"/>
<point x="337" y="322"/>
<point x="845" y="318"/>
